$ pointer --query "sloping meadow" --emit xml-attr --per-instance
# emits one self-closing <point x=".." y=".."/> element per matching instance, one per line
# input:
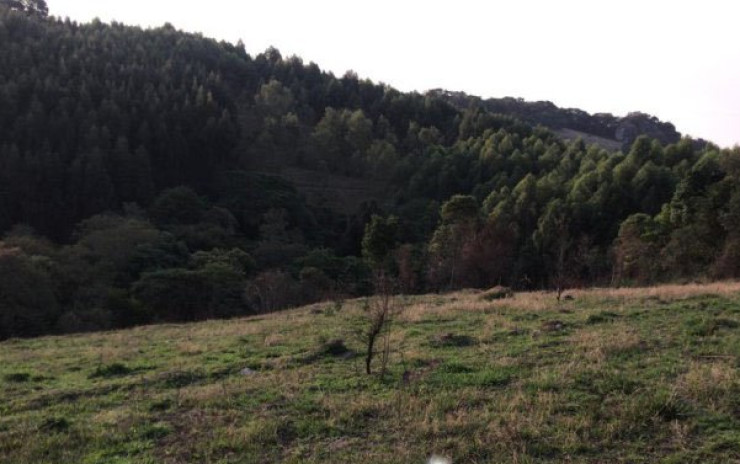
<point x="612" y="375"/>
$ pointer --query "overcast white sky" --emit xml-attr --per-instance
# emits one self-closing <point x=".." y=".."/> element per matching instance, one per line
<point x="678" y="60"/>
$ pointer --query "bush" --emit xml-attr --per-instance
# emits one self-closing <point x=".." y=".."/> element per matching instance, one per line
<point x="271" y="291"/>
<point x="28" y="306"/>
<point x="111" y="370"/>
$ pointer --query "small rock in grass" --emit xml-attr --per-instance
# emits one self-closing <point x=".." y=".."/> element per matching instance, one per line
<point x="438" y="460"/>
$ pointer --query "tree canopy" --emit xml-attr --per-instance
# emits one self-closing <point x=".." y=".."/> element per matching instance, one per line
<point x="150" y="175"/>
<point x="36" y="7"/>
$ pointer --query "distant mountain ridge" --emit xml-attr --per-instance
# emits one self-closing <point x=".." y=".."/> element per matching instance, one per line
<point x="622" y="131"/>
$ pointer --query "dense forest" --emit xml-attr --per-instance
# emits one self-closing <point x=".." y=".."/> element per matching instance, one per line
<point x="155" y="175"/>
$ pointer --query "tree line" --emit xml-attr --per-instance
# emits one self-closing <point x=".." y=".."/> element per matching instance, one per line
<point x="141" y="180"/>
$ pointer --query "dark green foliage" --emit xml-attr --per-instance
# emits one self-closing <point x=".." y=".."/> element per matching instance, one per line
<point x="178" y="206"/>
<point x="28" y="306"/>
<point x="235" y="260"/>
<point x="179" y="178"/>
<point x="163" y="253"/>
<point x="459" y="209"/>
<point x="345" y="274"/>
<point x="379" y="240"/>
<point x="214" y="290"/>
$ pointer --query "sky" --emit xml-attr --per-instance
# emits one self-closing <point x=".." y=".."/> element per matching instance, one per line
<point x="678" y="60"/>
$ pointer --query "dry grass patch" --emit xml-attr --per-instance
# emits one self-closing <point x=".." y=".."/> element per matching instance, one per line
<point x="417" y="312"/>
<point x="110" y="417"/>
<point x="668" y="292"/>
<point x="190" y="348"/>
<point x="274" y="339"/>
<point x="598" y="345"/>
<point x="708" y="383"/>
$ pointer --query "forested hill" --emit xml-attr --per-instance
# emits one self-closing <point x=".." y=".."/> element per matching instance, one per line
<point x="621" y="131"/>
<point x="152" y="175"/>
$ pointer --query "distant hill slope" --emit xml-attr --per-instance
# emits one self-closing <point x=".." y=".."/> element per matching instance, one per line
<point x="607" y="127"/>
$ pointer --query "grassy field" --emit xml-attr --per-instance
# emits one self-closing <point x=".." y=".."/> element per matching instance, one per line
<point x="610" y="376"/>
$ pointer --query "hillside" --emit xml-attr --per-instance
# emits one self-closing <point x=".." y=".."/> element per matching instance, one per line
<point x="613" y="375"/>
<point x="154" y="175"/>
<point x="609" y="131"/>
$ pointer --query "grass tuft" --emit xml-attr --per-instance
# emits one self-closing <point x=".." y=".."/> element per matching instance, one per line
<point x="17" y="377"/>
<point x="111" y="370"/>
<point x="55" y="424"/>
